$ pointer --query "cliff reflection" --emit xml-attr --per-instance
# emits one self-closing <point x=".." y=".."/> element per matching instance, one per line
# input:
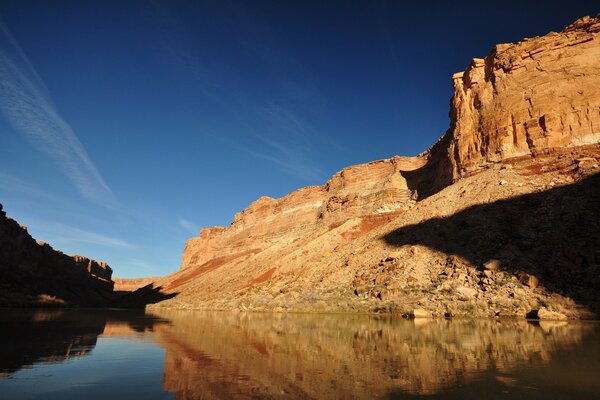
<point x="233" y="356"/>
<point x="227" y="355"/>
<point x="31" y="337"/>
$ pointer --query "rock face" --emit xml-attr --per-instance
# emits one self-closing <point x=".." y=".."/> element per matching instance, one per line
<point x="527" y="97"/>
<point x="374" y="188"/>
<point x="33" y="273"/>
<point x="525" y="125"/>
<point x="99" y="269"/>
<point x="130" y="285"/>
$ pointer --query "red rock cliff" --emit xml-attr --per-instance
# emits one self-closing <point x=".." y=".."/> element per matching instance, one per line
<point x="522" y="99"/>
<point x="528" y="97"/>
<point x="498" y="218"/>
<point x="374" y="188"/>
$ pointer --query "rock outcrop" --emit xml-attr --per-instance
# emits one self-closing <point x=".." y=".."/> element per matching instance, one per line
<point x="132" y="284"/>
<point x="525" y="98"/>
<point x="33" y="273"/>
<point x="374" y="188"/>
<point x="524" y="120"/>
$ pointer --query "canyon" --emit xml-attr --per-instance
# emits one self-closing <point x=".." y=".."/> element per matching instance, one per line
<point x="499" y="218"/>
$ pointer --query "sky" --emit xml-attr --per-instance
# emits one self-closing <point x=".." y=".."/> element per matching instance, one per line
<point x="126" y="126"/>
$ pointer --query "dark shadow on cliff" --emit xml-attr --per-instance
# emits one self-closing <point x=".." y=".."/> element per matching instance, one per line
<point x="553" y="235"/>
<point x="29" y="337"/>
<point x="141" y="297"/>
<point x="436" y="174"/>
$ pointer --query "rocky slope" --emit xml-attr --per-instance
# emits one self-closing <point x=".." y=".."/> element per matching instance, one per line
<point x="33" y="273"/>
<point x="498" y="218"/>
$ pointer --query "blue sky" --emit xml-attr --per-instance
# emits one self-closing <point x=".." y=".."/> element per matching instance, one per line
<point x="127" y="126"/>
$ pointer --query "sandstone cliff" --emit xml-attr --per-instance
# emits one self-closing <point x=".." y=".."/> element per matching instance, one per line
<point x="527" y="97"/>
<point x="33" y="273"/>
<point x="131" y="284"/>
<point x="390" y="235"/>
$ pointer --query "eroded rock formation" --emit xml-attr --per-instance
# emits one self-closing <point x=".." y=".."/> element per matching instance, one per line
<point x="525" y="98"/>
<point x="33" y="273"/>
<point x="131" y="284"/>
<point x="374" y="188"/>
<point x="525" y="119"/>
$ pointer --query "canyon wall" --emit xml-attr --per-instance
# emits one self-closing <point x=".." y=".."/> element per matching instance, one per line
<point x="374" y="188"/>
<point x="525" y="98"/>
<point x="132" y="284"/>
<point x="32" y="272"/>
<point x="522" y="99"/>
<point x="498" y="218"/>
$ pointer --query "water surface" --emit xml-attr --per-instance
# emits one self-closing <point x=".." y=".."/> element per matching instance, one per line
<point x="115" y="354"/>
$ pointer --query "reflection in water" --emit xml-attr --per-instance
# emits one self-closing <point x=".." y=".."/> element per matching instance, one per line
<point x="29" y="337"/>
<point x="44" y="337"/>
<point x="224" y="355"/>
<point x="232" y="355"/>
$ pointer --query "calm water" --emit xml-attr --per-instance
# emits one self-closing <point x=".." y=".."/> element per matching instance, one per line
<point x="91" y="354"/>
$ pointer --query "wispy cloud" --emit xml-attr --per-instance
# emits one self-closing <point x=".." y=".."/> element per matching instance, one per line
<point x="13" y="184"/>
<point x="25" y="103"/>
<point x="61" y="234"/>
<point x="141" y="264"/>
<point x="289" y="141"/>
<point x="188" y="226"/>
<point x="275" y="113"/>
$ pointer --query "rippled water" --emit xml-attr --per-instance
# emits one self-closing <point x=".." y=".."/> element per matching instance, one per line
<point x="115" y="354"/>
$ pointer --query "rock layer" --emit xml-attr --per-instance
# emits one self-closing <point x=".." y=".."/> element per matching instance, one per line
<point x="132" y="284"/>
<point x="374" y="188"/>
<point x="33" y="273"/>
<point x="525" y="119"/>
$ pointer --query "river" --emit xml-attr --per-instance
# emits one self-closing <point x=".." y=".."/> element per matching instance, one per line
<point x="120" y="354"/>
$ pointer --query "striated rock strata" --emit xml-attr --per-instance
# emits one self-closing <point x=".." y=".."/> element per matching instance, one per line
<point x="413" y="234"/>
<point x="132" y="284"/>
<point x="33" y="273"/>
<point x="374" y="188"/>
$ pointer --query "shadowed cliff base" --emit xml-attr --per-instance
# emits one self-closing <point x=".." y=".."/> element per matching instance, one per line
<point x="141" y="297"/>
<point x="549" y="240"/>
